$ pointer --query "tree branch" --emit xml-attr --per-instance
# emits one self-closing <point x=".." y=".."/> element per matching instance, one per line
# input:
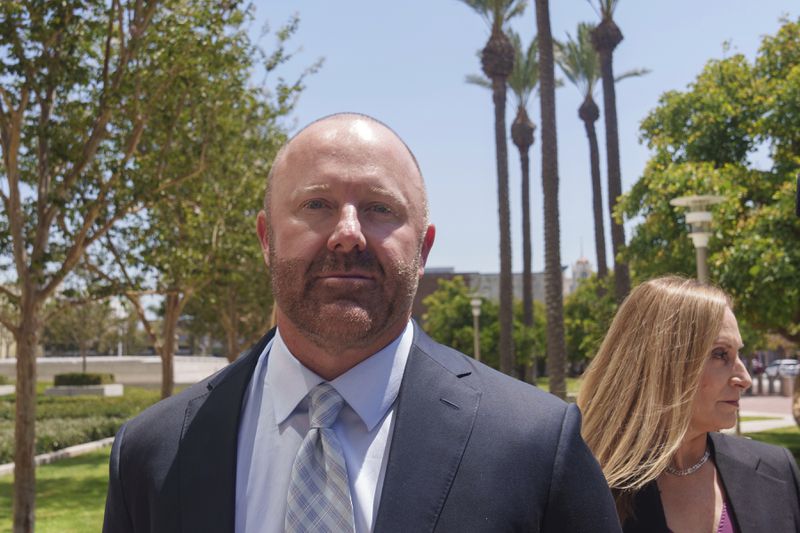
<point x="11" y="295"/>
<point x="8" y="323"/>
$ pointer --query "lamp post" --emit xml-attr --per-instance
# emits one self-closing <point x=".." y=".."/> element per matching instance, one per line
<point x="699" y="219"/>
<point x="476" y="313"/>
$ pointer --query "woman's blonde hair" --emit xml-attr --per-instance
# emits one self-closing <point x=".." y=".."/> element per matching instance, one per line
<point x="636" y="396"/>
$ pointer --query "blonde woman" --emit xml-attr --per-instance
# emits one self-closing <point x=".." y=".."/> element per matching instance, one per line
<point x="667" y="377"/>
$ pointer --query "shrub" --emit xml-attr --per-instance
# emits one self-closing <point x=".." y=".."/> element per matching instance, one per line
<point x="3" y="380"/>
<point x="68" y="420"/>
<point x="79" y="378"/>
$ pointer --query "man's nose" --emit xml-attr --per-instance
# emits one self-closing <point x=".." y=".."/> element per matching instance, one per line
<point x="347" y="235"/>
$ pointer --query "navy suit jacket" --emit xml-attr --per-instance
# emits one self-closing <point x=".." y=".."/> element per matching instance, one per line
<point x="472" y="450"/>
<point x="761" y="482"/>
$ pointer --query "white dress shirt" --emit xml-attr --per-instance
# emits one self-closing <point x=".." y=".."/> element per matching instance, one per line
<point x="275" y="421"/>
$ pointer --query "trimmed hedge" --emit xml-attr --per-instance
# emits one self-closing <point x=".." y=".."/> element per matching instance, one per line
<point x="79" y="378"/>
<point x="55" y="434"/>
<point x="68" y="420"/>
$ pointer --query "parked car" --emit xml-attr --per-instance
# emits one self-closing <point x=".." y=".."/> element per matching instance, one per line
<point x="783" y="367"/>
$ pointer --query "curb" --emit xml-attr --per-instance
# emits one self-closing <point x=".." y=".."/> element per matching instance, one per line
<point x="72" y="451"/>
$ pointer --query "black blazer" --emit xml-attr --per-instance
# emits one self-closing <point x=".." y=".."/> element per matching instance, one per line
<point x="761" y="481"/>
<point x="472" y="450"/>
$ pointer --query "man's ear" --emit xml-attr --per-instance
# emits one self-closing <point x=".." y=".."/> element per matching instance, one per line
<point x="263" y="234"/>
<point x="427" y="244"/>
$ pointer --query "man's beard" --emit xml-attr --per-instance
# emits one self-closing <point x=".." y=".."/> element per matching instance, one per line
<point x="336" y="319"/>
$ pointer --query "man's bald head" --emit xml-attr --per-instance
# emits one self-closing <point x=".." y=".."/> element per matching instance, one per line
<point x="332" y="123"/>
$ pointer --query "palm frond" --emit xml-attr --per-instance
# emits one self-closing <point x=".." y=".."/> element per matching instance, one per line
<point x="604" y="8"/>
<point x="478" y="79"/>
<point x="497" y="12"/>
<point x="525" y="76"/>
<point x="578" y="59"/>
<point x="632" y="73"/>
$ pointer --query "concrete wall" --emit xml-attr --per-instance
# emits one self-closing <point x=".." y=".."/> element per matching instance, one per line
<point x="128" y="370"/>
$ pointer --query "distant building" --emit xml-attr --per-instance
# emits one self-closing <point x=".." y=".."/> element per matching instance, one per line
<point x="581" y="270"/>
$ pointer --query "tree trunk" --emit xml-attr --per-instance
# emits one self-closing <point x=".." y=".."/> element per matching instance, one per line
<point x="169" y="337"/>
<point x="229" y="321"/>
<point x="589" y="116"/>
<point x="25" y="417"/>
<point x="82" y="348"/>
<point x="506" y="293"/>
<point x="232" y="341"/>
<point x="556" y="346"/>
<point x="795" y="400"/>
<point x="522" y="134"/>
<point x="606" y="37"/>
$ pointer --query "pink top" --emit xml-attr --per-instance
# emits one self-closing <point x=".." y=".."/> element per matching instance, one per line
<point x="725" y="522"/>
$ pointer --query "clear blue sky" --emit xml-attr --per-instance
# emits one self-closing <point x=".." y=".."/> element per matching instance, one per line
<point x="404" y="63"/>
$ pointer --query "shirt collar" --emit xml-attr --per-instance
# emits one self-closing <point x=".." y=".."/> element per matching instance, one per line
<point x="369" y="388"/>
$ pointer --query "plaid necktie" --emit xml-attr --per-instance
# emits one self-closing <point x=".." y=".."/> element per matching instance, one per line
<point x="319" y="493"/>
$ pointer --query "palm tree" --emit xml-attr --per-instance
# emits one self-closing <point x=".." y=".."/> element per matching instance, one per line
<point x="578" y="61"/>
<point x="556" y="346"/>
<point x="523" y="80"/>
<point x="605" y="38"/>
<point x="497" y="60"/>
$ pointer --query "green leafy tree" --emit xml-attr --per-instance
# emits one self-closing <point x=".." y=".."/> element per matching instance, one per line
<point x="588" y="312"/>
<point x="235" y="306"/>
<point x="82" y="326"/>
<point x="705" y="140"/>
<point x="497" y="60"/>
<point x="449" y="320"/>
<point x="201" y="230"/>
<point x="82" y="84"/>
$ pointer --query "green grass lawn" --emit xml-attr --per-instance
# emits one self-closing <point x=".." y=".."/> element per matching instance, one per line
<point x="573" y="384"/>
<point x="786" y="437"/>
<point x="70" y="495"/>
<point x="757" y="418"/>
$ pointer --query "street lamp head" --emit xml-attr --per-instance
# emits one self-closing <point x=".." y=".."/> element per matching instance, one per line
<point x="697" y="202"/>
<point x="698" y="217"/>
<point x="476" y="306"/>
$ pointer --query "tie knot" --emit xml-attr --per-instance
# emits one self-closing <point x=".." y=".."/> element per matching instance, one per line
<point x="324" y="405"/>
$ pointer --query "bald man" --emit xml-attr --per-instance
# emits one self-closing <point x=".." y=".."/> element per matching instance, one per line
<point x="347" y="417"/>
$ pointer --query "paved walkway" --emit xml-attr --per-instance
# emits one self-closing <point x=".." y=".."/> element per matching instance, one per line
<point x="778" y="408"/>
<point x="72" y="451"/>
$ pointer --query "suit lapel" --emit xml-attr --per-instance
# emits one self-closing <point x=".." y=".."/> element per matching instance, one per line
<point x="211" y="423"/>
<point x="750" y="491"/>
<point x="435" y="413"/>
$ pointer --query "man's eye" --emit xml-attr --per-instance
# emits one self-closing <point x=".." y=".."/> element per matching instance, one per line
<point x="314" y="204"/>
<point x="381" y="209"/>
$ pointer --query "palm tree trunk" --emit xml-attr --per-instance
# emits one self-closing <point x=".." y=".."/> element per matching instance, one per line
<point x="622" y="282"/>
<point x="556" y="346"/>
<point x="506" y="294"/>
<point x="597" y="193"/>
<point x="527" y="274"/>
<point x="522" y="130"/>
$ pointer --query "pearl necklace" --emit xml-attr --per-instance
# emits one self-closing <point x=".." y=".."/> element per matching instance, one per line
<point x="692" y="469"/>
